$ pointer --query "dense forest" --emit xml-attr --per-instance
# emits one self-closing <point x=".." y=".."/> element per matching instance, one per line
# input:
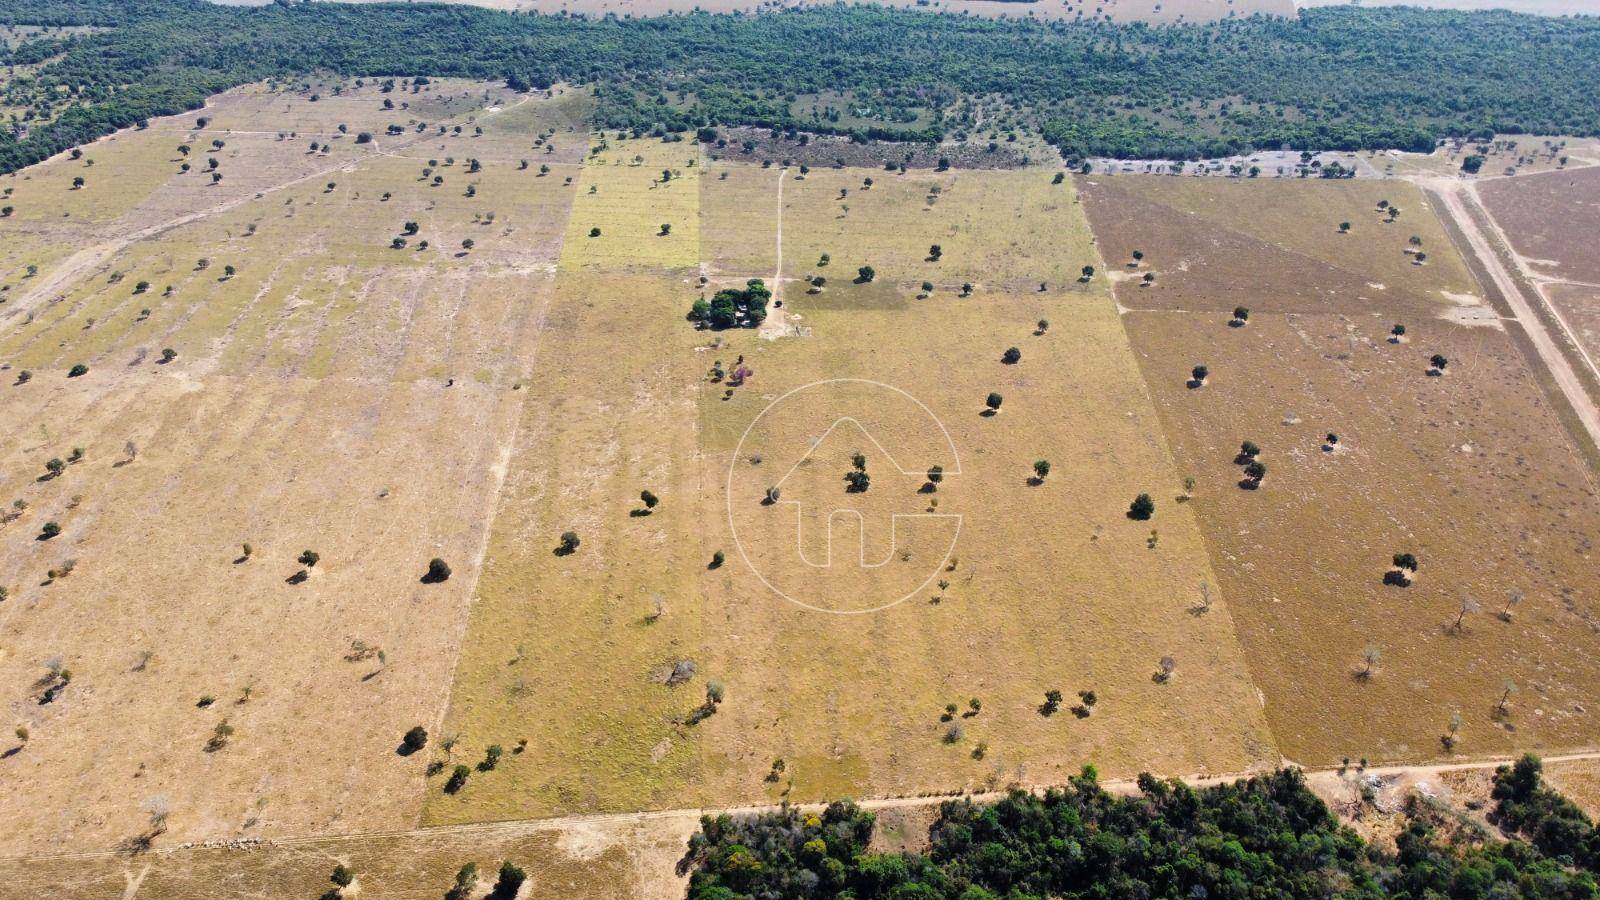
<point x="1263" y="837"/>
<point x="1338" y="78"/>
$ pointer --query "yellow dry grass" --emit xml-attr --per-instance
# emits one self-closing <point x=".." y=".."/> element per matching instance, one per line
<point x="307" y="407"/>
<point x="622" y="191"/>
<point x="997" y="229"/>
<point x="565" y="652"/>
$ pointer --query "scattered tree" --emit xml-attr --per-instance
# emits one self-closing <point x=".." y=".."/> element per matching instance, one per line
<point x="1142" y="508"/>
<point x="438" y="571"/>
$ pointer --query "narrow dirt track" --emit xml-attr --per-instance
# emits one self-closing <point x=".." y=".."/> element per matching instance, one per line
<point x="1123" y="786"/>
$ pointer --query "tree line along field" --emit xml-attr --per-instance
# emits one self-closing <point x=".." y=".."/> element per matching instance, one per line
<point x="336" y="386"/>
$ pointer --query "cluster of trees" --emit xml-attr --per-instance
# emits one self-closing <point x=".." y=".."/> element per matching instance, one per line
<point x="1337" y="79"/>
<point x="1267" y="836"/>
<point x="732" y="307"/>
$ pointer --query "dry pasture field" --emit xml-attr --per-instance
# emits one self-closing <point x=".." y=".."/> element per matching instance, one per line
<point x="568" y="656"/>
<point x="463" y="343"/>
<point x="1470" y="471"/>
<point x="316" y="375"/>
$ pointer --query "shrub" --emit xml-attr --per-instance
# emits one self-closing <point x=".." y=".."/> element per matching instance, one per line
<point x="308" y="558"/>
<point x="491" y="758"/>
<point x="458" y="779"/>
<point x="1012" y="356"/>
<point x="49" y="531"/>
<point x="569" y="542"/>
<point x="865" y="274"/>
<point x="77" y="370"/>
<point x="993" y="401"/>
<point x="342" y="875"/>
<point x="650" y="500"/>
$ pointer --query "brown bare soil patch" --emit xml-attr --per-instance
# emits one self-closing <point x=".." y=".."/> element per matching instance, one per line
<point x="1551" y="219"/>
<point x="1470" y="471"/>
<point x="1271" y="245"/>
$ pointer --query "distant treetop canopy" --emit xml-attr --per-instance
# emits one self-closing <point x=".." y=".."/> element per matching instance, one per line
<point x="1329" y="79"/>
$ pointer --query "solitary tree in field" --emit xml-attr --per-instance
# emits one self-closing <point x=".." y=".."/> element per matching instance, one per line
<point x="935" y="253"/>
<point x="666" y="229"/>
<point x="594" y="232"/>
<point x="438" y="570"/>
<point x="1344" y="227"/>
<point x="1012" y="356"/>
<point x="466" y="882"/>
<point x="648" y="499"/>
<point x="1398" y="331"/>
<point x="1088" y="273"/>
<point x="77" y="183"/>
<point x="1052" y="702"/>
<point x="168" y="355"/>
<point x="309" y="558"/>
<point x="1509" y="688"/>
<point x="935" y="475"/>
<point x="1241" y="314"/>
<point x="1439" y="361"/>
<point x="1137" y="256"/>
<point x="1042" y="327"/>
<point x="1370" y="656"/>
<point x="1165" y="668"/>
<point x="569" y="543"/>
<point x="229" y="271"/>
<point x="1468" y="605"/>
<point x="1142" y="508"/>
<point x="993" y="401"/>
<point x="1513" y="597"/>
<point x="865" y="274"/>
<point x="1451" y="735"/>
<point x="77" y="371"/>
<point x="1041" y="469"/>
<point x="1199" y="375"/>
<point x="1249" y="450"/>
<point x="509" y="882"/>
